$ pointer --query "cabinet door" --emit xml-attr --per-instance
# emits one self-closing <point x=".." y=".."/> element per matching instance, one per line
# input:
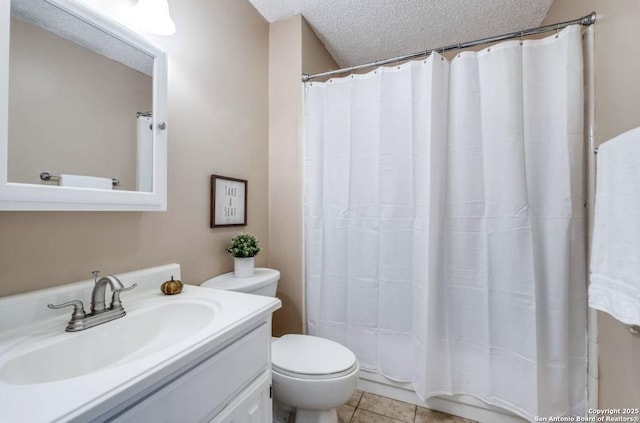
<point x="207" y="389"/>
<point x="252" y="406"/>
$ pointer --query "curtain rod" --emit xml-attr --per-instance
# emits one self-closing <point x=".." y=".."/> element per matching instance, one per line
<point x="590" y="19"/>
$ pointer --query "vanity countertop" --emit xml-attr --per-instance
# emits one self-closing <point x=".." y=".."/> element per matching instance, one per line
<point x="73" y="394"/>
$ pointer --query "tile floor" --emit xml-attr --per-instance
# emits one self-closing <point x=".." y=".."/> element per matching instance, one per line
<point x="364" y="407"/>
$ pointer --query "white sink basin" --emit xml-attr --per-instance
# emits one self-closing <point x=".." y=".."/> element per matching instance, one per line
<point x="139" y="334"/>
<point x="92" y="374"/>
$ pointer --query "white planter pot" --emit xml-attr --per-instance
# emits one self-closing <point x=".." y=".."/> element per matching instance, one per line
<point x="243" y="267"/>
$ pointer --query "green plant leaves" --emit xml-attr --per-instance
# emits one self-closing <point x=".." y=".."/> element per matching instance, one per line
<point x="243" y="245"/>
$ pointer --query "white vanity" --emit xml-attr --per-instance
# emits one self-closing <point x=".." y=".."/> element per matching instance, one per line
<point x="199" y="356"/>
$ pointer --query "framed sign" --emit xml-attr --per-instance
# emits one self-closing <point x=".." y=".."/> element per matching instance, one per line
<point x="228" y="201"/>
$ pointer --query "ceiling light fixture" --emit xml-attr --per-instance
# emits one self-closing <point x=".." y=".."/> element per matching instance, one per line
<point x="153" y="16"/>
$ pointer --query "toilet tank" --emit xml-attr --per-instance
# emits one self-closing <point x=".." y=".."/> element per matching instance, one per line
<point x="263" y="282"/>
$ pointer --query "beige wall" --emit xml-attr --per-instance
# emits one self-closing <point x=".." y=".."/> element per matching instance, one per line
<point x="617" y="74"/>
<point x="217" y="123"/>
<point x="293" y="49"/>
<point x="71" y="110"/>
<point x="315" y="57"/>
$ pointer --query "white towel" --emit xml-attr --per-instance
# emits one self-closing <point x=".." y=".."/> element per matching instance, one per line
<point x="80" y="181"/>
<point x="615" y="254"/>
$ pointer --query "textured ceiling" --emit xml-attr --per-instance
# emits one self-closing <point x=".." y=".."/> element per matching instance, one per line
<point x="362" y="31"/>
<point x="58" y="21"/>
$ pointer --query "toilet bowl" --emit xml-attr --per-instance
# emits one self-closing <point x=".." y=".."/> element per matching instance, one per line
<point x="311" y="375"/>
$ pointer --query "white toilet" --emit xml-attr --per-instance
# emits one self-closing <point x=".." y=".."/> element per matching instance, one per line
<point x="311" y="375"/>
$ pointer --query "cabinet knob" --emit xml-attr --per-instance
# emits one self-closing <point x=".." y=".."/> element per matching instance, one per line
<point x="162" y="126"/>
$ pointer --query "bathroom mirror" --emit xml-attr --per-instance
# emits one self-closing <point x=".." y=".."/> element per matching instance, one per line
<point x="82" y="111"/>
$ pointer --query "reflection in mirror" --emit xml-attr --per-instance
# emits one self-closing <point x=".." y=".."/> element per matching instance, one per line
<point x="80" y="101"/>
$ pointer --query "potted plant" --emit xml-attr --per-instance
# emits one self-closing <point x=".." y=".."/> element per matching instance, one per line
<point x="243" y="248"/>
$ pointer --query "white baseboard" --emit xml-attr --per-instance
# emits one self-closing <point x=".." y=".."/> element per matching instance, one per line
<point x="458" y="405"/>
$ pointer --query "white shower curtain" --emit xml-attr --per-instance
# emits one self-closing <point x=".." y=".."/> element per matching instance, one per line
<point x="445" y="223"/>
<point x="144" y="153"/>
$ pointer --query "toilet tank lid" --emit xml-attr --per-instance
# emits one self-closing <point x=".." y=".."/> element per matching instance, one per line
<point x="261" y="277"/>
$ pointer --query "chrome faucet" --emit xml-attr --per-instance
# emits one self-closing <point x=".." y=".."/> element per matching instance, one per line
<point x="98" y="295"/>
<point x="99" y="312"/>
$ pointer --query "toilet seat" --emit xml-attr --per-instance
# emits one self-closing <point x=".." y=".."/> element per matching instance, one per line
<point x="281" y="371"/>
<point x="311" y="357"/>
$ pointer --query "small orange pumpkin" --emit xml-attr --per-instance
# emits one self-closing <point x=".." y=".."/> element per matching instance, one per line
<point x="171" y="287"/>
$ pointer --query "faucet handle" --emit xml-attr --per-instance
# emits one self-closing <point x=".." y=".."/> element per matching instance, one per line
<point x="115" y="298"/>
<point x="78" y="308"/>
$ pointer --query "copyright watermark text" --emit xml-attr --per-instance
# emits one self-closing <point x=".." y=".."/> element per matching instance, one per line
<point x="598" y="415"/>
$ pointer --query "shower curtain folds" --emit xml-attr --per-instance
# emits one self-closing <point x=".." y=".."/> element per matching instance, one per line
<point x="445" y="223"/>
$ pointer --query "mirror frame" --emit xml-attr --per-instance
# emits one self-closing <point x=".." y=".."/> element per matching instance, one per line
<point x="19" y="196"/>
